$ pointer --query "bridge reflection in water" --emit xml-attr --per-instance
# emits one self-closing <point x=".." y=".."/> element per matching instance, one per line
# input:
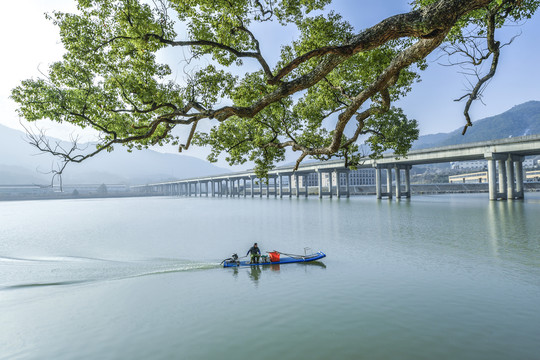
<point x="504" y="159"/>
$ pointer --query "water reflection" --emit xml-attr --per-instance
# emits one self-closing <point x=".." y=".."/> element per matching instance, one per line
<point x="508" y="227"/>
<point x="255" y="272"/>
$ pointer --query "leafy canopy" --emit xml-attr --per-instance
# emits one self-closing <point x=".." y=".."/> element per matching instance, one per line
<point x="332" y="86"/>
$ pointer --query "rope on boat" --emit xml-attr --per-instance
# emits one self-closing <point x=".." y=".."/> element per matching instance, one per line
<point x="295" y="256"/>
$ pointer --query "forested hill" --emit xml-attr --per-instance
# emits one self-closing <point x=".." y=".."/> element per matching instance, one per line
<point x="521" y="120"/>
<point x="21" y="163"/>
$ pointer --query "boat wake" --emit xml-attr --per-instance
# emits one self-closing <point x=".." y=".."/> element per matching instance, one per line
<point x="21" y="273"/>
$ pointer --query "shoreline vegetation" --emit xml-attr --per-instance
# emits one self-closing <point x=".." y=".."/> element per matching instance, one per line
<point x="417" y="189"/>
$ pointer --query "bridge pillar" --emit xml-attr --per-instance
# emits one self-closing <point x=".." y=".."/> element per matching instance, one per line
<point x="510" y="178"/>
<point x="290" y="185"/>
<point x="492" y="179"/>
<point x="519" y="180"/>
<point x="389" y="182"/>
<point x="502" y="180"/>
<point x="306" y="186"/>
<point x="399" y="192"/>
<point x="378" y="180"/>
<point x="338" y="183"/>
<point x="378" y="187"/>
<point x="515" y="176"/>
<point x="330" y="184"/>
<point x="397" y="170"/>
<point x="319" y="177"/>
<point x="296" y="184"/>
<point x="408" y="181"/>
<point x="268" y="187"/>
<point x="275" y="186"/>
<point x="347" y="183"/>
<point x="251" y="180"/>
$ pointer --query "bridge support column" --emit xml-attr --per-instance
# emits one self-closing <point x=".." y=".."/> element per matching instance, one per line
<point x="502" y="180"/>
<point x="330" y="184"/>
<point x="296" y="184"/>
<point x="399" y="192"/>
<point x="408" y="181"/>
<point x="378" y="187"/>
<point x="519" y="180"/>
<point x="492" y="179"/>
<point x="290" y="185"/>
<point x="378" y="181"/>
<point x="515" y="176"/>
<point x="275" y="186"/>
<point x="319" y="177"/>
<point x="251" y="180"/>
<point x="389" y="182"/>
<point x="347" y="183"/>
<point x="338" y="183"/>
<point x="397" y="170"/>
<point x="510" y="178"/>
<point x="260" y="188"/>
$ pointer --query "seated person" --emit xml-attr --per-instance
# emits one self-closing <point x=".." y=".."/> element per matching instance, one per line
<point x="255" y="253"/>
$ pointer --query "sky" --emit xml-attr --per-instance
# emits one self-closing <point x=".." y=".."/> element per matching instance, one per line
<point x="31" y="43"/>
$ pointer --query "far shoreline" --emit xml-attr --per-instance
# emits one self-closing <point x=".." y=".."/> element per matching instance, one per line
<point x="369" y="190"/>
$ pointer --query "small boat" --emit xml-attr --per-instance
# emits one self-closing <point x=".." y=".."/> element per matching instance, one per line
<point x="273" y="258"/>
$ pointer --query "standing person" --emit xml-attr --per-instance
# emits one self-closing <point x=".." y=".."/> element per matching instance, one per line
<point x="255" y="253"/>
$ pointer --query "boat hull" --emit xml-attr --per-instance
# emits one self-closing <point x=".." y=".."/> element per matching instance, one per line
<point x="283" y="260"/>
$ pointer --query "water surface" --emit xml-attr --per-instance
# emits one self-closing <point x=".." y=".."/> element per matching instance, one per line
<point x="446" y="277"/>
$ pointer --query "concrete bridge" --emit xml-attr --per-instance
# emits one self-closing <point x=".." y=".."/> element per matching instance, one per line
<point x="504" y="157"/>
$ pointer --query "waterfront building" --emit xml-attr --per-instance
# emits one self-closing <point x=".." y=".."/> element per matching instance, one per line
<point x="357" y="177"/>
<point x="482" y="164"/>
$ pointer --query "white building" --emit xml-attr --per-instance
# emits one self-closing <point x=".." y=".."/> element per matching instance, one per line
<point x="356" y="178"/>
<point x="482" y="164"/>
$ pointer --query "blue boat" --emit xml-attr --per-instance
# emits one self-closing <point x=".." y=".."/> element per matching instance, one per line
<point x="265" y="260"/>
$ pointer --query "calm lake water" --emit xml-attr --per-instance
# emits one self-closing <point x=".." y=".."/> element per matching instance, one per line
<point x="437" y="277"/>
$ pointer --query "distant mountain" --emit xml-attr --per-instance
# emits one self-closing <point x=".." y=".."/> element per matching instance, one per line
<point x="521" y="120"/>
<point x="20" y="163"/>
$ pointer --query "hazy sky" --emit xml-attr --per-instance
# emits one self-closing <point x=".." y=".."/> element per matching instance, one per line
<point x="30" y="43"/>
